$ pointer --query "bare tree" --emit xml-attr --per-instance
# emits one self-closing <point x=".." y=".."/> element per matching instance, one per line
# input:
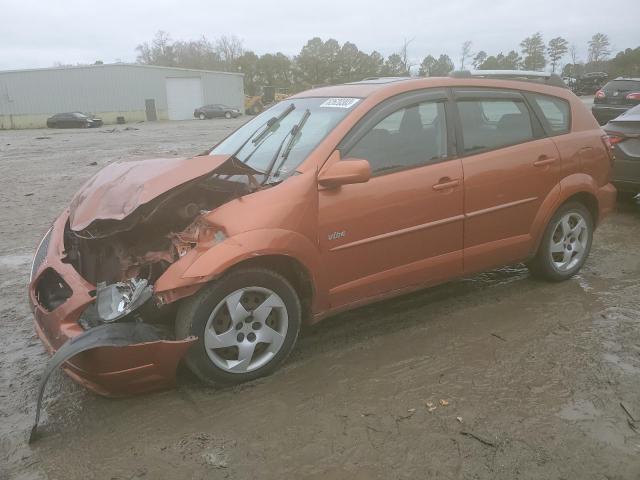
<point x="465" y="53"/>
<point x="160" y="52"/>
<point x="404" y="55"/>
<point x="229" y="48"/>
<point x="573" y="53"/>
<point x="599" y="48"/>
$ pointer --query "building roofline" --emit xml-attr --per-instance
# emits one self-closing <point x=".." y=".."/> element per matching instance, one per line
<point x="107" y="65"/>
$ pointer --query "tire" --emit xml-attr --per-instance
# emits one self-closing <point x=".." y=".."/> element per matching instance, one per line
<point x="224" y="343"/>
<point x="227" y="115"/>
<point x="202" y="116"/>
<point x="565" y="246"/>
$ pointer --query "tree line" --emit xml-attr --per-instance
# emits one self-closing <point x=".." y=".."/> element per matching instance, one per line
<point x="322" y="62"/>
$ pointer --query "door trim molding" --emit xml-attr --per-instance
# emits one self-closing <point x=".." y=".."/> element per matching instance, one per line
<point x="499" y="207"/>
<point x="395" y="233"/>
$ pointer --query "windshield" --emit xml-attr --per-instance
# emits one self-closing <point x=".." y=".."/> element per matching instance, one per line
<point x="279" y="146"/>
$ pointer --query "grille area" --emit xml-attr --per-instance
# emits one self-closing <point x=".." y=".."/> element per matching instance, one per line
<point x="41" y="253"/>
<point x="51" y="290"/>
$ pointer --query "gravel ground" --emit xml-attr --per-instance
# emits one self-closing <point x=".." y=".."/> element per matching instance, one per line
<point x="496" y="376"/>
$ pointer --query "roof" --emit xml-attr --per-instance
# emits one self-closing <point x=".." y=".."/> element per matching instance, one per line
<point x="109" y="65"/>
<point x="366" y="88"/>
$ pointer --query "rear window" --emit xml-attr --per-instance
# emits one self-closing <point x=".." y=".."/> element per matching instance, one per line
<point x="622" y="86"/>
<point x="556" y="111"/>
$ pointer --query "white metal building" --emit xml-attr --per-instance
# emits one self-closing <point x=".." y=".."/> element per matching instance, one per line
<point x="135" y="92"/>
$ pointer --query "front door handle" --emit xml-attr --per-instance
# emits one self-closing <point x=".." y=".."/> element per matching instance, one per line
<point x="445" y="184"/>
<point x="543" y="161"/>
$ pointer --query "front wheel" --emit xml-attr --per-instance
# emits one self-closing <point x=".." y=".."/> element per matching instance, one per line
<point x="202" y="116"/>
<point x="247" y="323"/>
<point x="227" y="115"/>
<point x="565" y="245"/>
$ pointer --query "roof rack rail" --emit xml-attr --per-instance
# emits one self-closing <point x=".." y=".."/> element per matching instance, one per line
<point x="522" y="75"/>
<point x="381" y="79"/>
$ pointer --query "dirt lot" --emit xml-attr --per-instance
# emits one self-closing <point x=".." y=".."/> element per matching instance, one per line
<point x="525" y="378"/>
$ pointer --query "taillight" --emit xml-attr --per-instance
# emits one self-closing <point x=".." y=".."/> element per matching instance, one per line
<point x="633" y="96"/>
<point x="600" y="94"/>
<point x="614" y="139"/>
<point x="608" y="146"/>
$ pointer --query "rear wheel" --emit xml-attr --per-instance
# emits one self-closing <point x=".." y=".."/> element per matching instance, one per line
<point x="565" y="245"/>
<point x="246" y="323"/>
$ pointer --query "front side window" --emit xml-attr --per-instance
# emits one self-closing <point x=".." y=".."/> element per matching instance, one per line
<point x="409" y="137"/>
<point x="280" y="138"/>
<point x="493" y="123"/>
<point x="555" y="110"/>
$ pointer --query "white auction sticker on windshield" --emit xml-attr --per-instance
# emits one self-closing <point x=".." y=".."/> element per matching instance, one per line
<point x="340" y="102"/>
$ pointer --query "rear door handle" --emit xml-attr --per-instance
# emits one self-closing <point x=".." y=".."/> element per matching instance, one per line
<point x="543" y="160"/>
<point x="445" y="184"/>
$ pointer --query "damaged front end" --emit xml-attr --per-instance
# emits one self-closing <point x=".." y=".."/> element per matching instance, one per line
<point x="92" y="282"/>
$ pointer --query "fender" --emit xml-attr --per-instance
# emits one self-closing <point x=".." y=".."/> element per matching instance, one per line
<point x="568" y="186"/>
<point x="195" y="269"/>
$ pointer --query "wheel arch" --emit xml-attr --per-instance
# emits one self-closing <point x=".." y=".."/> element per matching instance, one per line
<point x="577" y="187"/>
<point x="290" y="268"/>
<point x="290" y="254"/>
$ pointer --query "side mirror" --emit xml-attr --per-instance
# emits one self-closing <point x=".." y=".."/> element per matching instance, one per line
<point x="345" y="172"/>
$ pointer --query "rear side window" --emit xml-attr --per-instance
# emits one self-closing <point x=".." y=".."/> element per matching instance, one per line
<point x="556" y="111"/>
<point x="409" y="137"/>
<point x="489" y="123"/>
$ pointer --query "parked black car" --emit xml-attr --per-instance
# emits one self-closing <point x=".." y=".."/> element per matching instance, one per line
<point x="624" y="136"/>
<point x="216" y="110"/>
<point x="73" y="120"/>
<point x="589" y="83"/>
<point x="615" y="98"/>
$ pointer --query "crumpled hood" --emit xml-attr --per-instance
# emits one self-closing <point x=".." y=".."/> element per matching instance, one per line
<point x="121" y="187"/>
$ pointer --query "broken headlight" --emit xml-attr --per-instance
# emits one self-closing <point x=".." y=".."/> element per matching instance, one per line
<point x="119" y="299"/>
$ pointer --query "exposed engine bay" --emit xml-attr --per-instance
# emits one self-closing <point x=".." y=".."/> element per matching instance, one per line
<point x="124" y="258"/>
<point x="144" y="244"/>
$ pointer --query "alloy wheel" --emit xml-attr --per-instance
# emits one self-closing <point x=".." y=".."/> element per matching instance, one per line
<point x="569" y="241"/>
<point x="246" y="329"/>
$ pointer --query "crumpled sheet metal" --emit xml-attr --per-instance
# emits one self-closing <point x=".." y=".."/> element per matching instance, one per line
<point x="118" y="189"/>
<point x="108" y="335"/>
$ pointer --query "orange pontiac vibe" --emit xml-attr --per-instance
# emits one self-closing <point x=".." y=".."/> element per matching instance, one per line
<point x="332" y="199"/>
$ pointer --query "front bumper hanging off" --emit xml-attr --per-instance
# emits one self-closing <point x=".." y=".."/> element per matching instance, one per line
<point x="122" y="340"/>
<point x="113" y="360"/>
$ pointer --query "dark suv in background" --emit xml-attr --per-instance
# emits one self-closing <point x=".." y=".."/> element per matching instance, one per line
<point x="615" y="98"/>
<point x="624" y="137"/>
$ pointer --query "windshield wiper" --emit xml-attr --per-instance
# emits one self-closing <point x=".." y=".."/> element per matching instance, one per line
<point x="269" y="124"/>
<point x="291" y="135"/>
<point x="296" y="134"/>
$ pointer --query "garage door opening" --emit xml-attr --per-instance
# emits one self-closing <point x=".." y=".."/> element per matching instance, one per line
<point x="184" y="95"/>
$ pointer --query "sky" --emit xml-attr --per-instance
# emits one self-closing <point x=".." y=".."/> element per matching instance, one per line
<point x="41" y="33"/>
